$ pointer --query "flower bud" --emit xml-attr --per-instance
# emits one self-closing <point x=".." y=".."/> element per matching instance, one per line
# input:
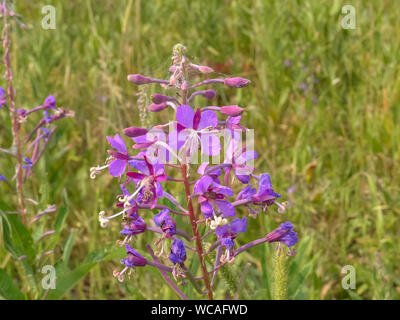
<point x="208" y="94"/>
<point x="205" y="69"/>
<point x="138" y="79"/>
<point x="157" y="107"/>
<point x="236" y="82"/>
<point x="184" y="85"/>
<point x="133" y="132"/>
<point x="232" y="111"/>
<point x="50" y="102"/>
<point x="160" y="98"/>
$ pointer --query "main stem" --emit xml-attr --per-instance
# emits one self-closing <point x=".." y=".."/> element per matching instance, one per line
<point x="195" y="233"/>
<point x="14" y="117"/>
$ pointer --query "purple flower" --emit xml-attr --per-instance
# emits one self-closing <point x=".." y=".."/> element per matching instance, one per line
<point x="189" y="121"/>
<point x="49" y="102"/>
<point x="285" y="234"/>
<point x="287" y="63"/>
<point x="246" y="193"/>
<point x="3" y="98"/>
<point x="28" y="163"/>
<point x="150" y="188"/>
<point x="166" y="223"/>
<point x="212" y="198"/>
<point x="303" y="86"/>
<point x="118" y="165"/>
<point x="178" y="252"/>
<point x="22" y="113"/>
<point x="227" y="233"/>
<point x="239" y="158"/>
<point x="3" y="178"/>
<point x="134" y="227"/>
<point x="266" y="195"/>
<point x="47" y="116"/>
<point x="134" y="258"/>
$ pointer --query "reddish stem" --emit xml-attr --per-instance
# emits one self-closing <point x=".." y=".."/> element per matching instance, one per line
<point x="14" y="117"/>
<point x="195" y="232"/>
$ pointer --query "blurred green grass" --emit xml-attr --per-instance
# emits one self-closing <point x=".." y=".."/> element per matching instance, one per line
<point x="341" y="151"/>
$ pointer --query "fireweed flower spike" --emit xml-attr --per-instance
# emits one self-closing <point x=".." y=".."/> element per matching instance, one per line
<point x="212" y="201"/>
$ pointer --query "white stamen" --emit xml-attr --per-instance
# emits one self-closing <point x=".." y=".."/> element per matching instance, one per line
<point x="96" y="170"/>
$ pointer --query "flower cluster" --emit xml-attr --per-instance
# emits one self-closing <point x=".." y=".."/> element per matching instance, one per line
<point x="38" y="138"/>
<point x="187" y="151"/>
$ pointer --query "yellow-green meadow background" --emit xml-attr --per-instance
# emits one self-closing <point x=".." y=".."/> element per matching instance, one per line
<point x="323" y="102"/>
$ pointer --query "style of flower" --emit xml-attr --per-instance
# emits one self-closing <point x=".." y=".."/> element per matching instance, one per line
<point x="178" y="252"/>
<point x="212" y="199"/>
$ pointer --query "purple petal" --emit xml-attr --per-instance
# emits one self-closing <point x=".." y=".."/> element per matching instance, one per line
<point x="207" y="209"/>
<point x="222" y="189"/>
<point x="265" y="183"/>
<point x="202" y="185"/>
<point x="117" y="167"/>
<point x="117" y="143"/>
<point x="246" y="157"/>
<point x="221" y="231"/>
<point x="226" y="208"/>
<point x="184" y="116"/>
<point x="210" y="144"/>
<point x="238" y="225"/>
<point x="208" y="118"/>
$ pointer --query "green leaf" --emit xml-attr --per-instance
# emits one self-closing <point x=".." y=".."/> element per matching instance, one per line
<point x="62" y="216"/>
<point x="68" y="280"/>
<point x="8" y="289"/>
<point x="68" y="247"/>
